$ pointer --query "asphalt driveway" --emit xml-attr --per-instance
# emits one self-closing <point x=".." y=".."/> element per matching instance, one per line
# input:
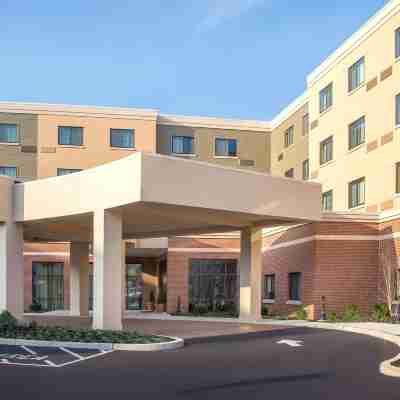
<point x="305" y="364"/>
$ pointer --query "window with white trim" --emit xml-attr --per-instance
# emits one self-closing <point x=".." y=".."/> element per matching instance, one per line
<point x="9" y="133"/>
<point x="357" y="133"/>
<point x="327" y="200"/>
<point x="225" y="147"/>
<point x="326" y="98"/>
<point x="182" y="145"/>
<point x="357" y="193"/>
<point x="289" y="136"/>
<point x="356" y="74"/>
<point x="9" y="171"/>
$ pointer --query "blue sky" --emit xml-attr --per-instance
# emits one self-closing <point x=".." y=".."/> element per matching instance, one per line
<point x="228" y="58"/>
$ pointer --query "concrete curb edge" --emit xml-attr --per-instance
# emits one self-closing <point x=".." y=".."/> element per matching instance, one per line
<point x="176" y="343"/>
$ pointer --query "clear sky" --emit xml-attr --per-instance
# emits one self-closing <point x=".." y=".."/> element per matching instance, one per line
<point x="227" y="58"/>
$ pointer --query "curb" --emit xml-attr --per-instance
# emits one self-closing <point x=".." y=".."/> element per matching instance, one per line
<point x="176" y="343"/>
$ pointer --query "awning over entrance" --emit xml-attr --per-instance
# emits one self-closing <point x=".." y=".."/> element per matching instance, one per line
<point x="144" y="196"/>
<point x="162" y="196"/>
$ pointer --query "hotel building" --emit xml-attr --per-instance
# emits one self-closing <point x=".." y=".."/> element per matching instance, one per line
<point x="239" y="201"/>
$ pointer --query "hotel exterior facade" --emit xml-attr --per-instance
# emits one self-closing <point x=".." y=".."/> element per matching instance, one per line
<point x="342" y="133"/>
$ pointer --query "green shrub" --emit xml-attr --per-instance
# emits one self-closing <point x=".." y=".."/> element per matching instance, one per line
<point x="35" y="307"/>
<point x="381" y="313"/>
<point x="264" y="310"/>
<point x="7" y="321"/>
<point x="332" y="317"/>
<point x="351" y="313"/>
<point x="301" y="313"/>
<point x="200" y="309"/>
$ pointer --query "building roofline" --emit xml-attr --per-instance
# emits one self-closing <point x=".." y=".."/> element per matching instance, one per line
<point x="77" y="110"/>
<point x="214" y="123"/>
<point x="367" y="29"/>
<point x="289" y="110"/>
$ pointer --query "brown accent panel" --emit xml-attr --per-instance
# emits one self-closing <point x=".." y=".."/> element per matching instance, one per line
<point x="372" y="209"/>
<point x="280" y="157"/>
<point x="386" y="138"/>
<point x="372" y="83"/>
<point x="29" y="149"/>
<point x="314" y="174"/>
<point x="387" y="205"/>
<point x="372" y="145"/>
<point x="48" y="150"/>
<point x="386" y="73"/>
<point x="247" y="163"/>
<point x="314" y="124"/>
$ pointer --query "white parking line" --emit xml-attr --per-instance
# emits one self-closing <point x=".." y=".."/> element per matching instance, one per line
<point x="29" y="350"/>
<point x="78" y="356"/>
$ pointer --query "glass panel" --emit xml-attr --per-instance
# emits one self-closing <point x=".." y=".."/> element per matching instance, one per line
<point x="66" y="171"/>
<point x="122" y="138"/>
<point x="70" y="135"/>
<point x="48" y="285"/>
<point x="225" y="147"/>
<point x="134" y="286"/>
<point x="8" y="133"/>
<point x="182" y="145"/>
<point x="398" y="109"/>
<point x="397" y="43"/>
<point x="9" y="171"/>
<point x="294" y="285"/>
<point x="325" y="98"/>
<point x="213" y="283"/>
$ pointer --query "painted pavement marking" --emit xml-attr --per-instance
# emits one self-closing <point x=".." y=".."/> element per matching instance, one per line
<point x="291" y="343"/>
<point x="53" y="357"/>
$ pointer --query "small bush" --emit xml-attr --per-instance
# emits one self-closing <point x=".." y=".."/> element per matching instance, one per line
<point x="351" y="313"/>
<point x="301" y="313"/>
<point x="332" y="317"/>
<point x="35" y="307"/>
<point x="7" y="321"/>
<point x="200" y="309"/>
<point x="264" y="310"/>
<point x="381" y="313"/>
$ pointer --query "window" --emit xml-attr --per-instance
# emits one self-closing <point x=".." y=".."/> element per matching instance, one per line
<point x="327" y="201"/>
<point x="289" y="173"/>
<point x="397" y="40"/>
<point x="134" y="286"/>
<point x="306" y="124"/>
<point x="9" y="133"/>
<point x="398" y="110"/>
<point x="294" y="286"/>
<point x="225" y="147"/>
<point x="70" y="135"/>
<point x="398" y="177"/>
<point x="357" y="74"/>
<point x="326" y="150"/>
<point x="182" y="145"/>
<point x="326" y="98"/>
<point x="123" y="138"/>
<point x="66" y="171"/>
<point x="289" y="136"/>
<point x="269" y="287"/>
<point x="48" y="285"/>
<point x="9" y="171"/>
<point x="357" y="133"/>
<point x="213" y="285"/>
<point x="306" y="170"/>
<point x="357" y="193"/>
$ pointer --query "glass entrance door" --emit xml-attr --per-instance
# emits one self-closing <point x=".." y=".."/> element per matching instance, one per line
<point x="134" y="287"/>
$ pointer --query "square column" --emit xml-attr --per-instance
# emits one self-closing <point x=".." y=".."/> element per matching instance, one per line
<point x="79" y="278"/>
<point x="108" y="253"/>
<point x="250" y="272"/>
<point x="12" y="268"/>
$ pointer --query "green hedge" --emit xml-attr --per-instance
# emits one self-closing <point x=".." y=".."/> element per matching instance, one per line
<point x="11" y="329"/>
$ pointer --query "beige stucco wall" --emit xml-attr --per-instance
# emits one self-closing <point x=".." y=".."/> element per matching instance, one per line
<point x="377" y="105"/>
<point x="294" y="155"/>
<point x="251" y="146"/>
<point x="22" y="155"/>
<point x="96" y="149"/>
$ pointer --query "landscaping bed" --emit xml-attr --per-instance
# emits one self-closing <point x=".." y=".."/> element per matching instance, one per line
<point x="10" y="328"/>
